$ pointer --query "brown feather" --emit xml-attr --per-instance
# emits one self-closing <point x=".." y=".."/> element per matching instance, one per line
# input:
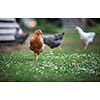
<point x="37" y="43"/>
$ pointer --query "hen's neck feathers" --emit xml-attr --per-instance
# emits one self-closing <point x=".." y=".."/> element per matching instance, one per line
<point x="80" y="30"/>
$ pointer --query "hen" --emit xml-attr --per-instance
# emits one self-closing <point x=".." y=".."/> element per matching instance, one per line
<point x="53" y="41"/>
<point x="87" y="37"/>
<point x="37" y="43"/>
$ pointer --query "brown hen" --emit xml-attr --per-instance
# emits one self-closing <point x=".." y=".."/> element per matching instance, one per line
<point x="37" y="43"/>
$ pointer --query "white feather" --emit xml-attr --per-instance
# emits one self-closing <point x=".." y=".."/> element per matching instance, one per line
<point x="87" y="37"/>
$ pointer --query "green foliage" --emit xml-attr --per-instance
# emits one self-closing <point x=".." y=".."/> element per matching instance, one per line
<point x="43" y="24"/>
<point x="47" y="26"/>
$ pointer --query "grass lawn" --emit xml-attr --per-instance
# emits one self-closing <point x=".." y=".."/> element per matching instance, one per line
<point x="72" y="64"/>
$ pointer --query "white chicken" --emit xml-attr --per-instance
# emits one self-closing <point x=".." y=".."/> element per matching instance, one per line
<point x="86" y="37"/>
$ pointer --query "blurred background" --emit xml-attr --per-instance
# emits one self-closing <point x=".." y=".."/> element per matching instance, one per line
<point x="15" y="32"/>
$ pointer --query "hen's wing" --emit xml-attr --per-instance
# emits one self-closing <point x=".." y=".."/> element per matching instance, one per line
<point x="52" y="38"/>
<point x="56" y="43"/>
<point x="89" y="37"/>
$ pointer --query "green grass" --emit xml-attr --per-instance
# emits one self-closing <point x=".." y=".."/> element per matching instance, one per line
<point x="73" y="64"/>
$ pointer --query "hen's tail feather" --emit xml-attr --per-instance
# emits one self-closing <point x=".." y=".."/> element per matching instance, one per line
<point x="59" y="36"/>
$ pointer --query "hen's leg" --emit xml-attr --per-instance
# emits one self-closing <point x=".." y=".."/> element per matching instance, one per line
<point x="35" y="56"/>
<point x="60" y="49"/>
<point x="51" y="51"/>
<point x="86" y="46"/>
